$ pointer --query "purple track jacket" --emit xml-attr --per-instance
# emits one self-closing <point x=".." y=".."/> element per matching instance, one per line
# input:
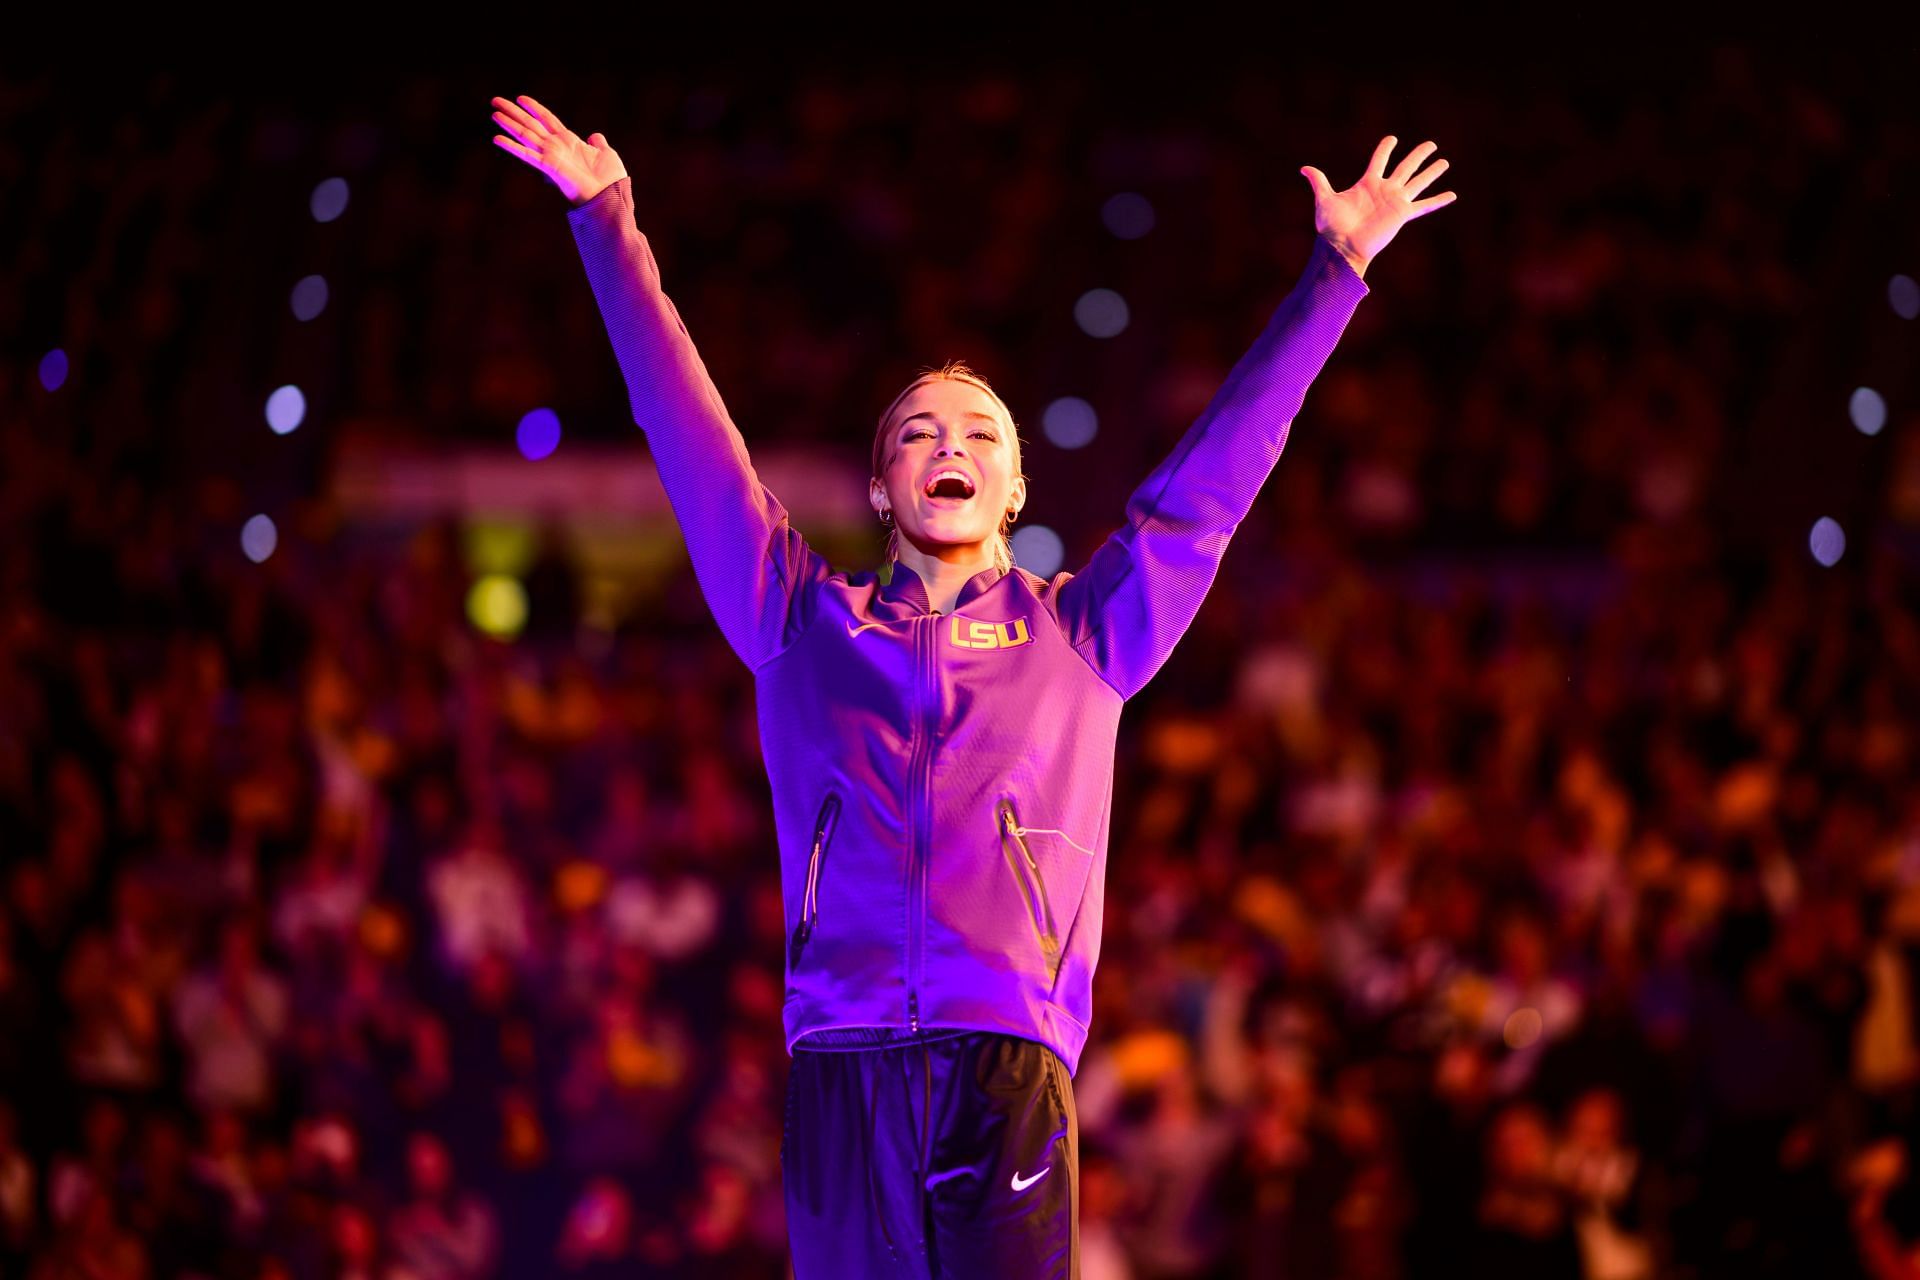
<point x="942" y="784"/>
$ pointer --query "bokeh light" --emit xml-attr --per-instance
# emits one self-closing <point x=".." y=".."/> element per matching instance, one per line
<point x="538" y="434"/>
<point x="497" y="605"/>
<point x="1903" y="295"/>
<point x="1037" y="549"/>
<point x="1828" y="541"/>
<point x="258" y="538"/>
<point x="504" y="546"/>
<point x="309" y="297"/>
<point x="329" y="200"/>
<point x="1868" y="410"/>
<point x="1100" y="313"/>
<point x="1522" y="1028"/>
<point x="286" y="409"/>
<point x="1128" y="215"/>
<point x="1069" y="423"/>
<point x="53" y="369"/>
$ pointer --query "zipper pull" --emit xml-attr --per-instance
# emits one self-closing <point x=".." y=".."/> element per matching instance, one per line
<point x="810" y="908"/>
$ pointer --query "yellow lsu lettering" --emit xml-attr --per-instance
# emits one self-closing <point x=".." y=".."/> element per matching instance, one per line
<point x="988" y="635"/>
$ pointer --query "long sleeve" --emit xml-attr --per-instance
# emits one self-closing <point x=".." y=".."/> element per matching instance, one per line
<point x="1143" y="587"/>
<point x="752" y="565"/>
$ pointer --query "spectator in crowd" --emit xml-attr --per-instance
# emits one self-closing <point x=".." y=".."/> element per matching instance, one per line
<point x="232" y="1017"/>
<point x="93" y="1243"/>
<point x="441" y="1232"/>
<point x="1605" y="1181"/>
<point x="1524" y="1227"/>
<point x="598" y="1239"/>
<point x="19" y="1193"/>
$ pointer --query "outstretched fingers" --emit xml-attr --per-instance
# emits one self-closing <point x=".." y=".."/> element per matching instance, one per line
<point x="546" y="117"/>
<point x="1412" y="160"/>
<point x="1377" y="167"/>
<point x="515" y="116"/>
<point x="1431" y="203"/>
<point x="513" y="148"/>
<point x="519" y="131"/>
<point x="1425" y="177"/>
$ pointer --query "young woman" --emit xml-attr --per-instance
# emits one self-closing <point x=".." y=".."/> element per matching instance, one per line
<point x="940" y="739"/>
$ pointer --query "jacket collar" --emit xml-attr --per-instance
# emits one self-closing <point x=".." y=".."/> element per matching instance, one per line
<point x="906" y="587"/>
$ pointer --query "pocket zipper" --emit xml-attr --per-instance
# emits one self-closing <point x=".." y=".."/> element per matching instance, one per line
<point x="810" y="902"/>
<point x="1036" y="889"/>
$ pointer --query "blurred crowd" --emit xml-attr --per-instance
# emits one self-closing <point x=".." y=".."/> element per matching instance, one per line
<point x="1467" y="915"/>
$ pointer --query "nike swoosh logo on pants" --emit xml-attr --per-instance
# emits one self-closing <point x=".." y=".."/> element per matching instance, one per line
<point x="1019" y="1185"/>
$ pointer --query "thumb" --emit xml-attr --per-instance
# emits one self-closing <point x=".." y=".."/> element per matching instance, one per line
<point x="597" y="139"/>
<point x="1318" y="181"/>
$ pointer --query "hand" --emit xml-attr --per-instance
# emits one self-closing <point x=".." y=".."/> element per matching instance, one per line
<point x="1360" y="220"/>
<point x="581" y="169"/>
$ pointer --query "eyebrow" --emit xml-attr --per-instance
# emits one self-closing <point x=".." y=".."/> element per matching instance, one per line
<point x="928" y="413"/>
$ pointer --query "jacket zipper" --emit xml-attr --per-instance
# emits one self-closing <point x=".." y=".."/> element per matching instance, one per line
<point x="921" y="780"/>
<point x="1038" y="905"/>
<point x="810" y="903"/>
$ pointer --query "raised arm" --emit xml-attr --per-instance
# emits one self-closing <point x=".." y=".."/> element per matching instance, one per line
<point x="1142" y="589"/>
<point x="751" y="563"/>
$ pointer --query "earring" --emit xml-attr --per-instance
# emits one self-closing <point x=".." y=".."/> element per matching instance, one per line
<point x="1013" y="514"/>
<point x="886" y="517"/>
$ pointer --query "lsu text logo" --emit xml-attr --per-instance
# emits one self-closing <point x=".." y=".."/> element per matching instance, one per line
<point x="965" y="634"/>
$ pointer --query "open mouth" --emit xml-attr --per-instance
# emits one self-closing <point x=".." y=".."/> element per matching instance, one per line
<point x="945" y="487"/>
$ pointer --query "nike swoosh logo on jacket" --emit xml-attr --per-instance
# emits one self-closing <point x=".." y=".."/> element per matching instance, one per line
<point x="942" y="785"/>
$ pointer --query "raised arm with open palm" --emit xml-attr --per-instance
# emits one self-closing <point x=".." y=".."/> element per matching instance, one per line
<point x="581" y="167"/>
<point x="1362" y="219"/>
<point x="752" y="565"/>
<point x="1144" y="585"/>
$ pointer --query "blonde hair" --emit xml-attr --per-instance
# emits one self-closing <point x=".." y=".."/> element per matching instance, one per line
<point x="952" y="371"/>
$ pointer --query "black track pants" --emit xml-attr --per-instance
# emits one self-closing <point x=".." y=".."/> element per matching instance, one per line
<point x="952" y="1157"/>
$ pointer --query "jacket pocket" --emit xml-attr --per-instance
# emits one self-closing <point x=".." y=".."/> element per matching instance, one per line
<point x="1033" y="886"/>
<point x="810" y="899"/>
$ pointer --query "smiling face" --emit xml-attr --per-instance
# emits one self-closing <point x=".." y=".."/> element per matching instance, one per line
<point x="948" y="467"/>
